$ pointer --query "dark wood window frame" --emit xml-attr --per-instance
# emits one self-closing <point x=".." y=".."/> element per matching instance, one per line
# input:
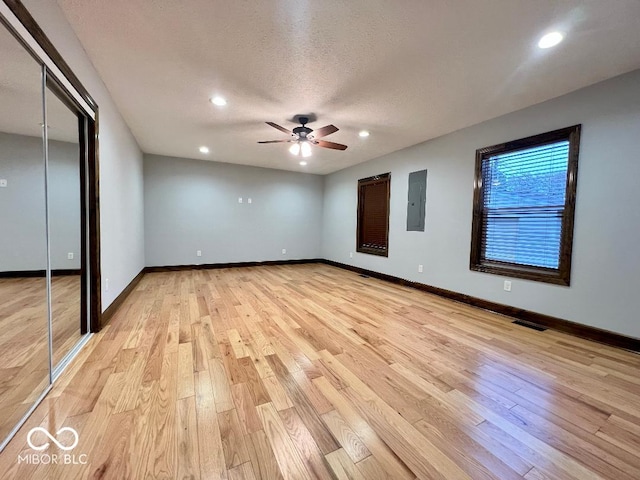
<point x="561" y="275"/>
<point x="361" y="245"/>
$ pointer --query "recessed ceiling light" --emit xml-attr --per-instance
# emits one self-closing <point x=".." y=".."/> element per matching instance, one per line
<point x="364" y="133"/>
<point x="219" y="101"/>
<point x="204" y="149"/>
<point x="303" y="163"/>
<point x="550" y="40"/>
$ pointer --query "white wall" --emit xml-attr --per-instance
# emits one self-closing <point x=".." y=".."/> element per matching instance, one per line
<point x="193" y="205"/>
<point x="22" y="206"/>
<point x="23" y="244"/>
<point x="606" y="265"/>
<point x="121" y="182"/>
<point x="64" y="205"/>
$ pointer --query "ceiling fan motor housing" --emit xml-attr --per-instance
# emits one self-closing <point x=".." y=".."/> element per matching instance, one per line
<point x="302" y="132"/>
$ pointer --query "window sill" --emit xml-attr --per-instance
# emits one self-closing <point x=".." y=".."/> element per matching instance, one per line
<point x="373" y="251"/>
<point x="544" y="275"/>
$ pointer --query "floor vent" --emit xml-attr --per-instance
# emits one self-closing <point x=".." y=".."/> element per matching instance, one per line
<point x="364" y="276"/>
<point x="532" y="326"/>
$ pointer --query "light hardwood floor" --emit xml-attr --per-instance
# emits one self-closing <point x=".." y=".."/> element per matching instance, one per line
<point x="24" y="348"/>
<point x="308" y="371"/>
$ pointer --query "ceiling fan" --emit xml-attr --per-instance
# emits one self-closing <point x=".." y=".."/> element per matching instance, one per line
<point x="303" y="137"/>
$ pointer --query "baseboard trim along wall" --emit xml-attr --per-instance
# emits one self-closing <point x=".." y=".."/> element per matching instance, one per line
<point x="39" y="273"/>
<point x="583" y="331"/>
<point x="211" y="266"/>
<point x="119" y="300"/>
<point x="536" y="319"/>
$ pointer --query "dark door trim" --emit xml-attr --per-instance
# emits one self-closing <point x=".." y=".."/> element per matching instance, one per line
<point x="89" y="128"/>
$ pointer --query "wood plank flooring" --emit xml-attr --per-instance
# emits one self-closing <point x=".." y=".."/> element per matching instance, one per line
<point x="24" y="347"/>
<point x="311" y="372"/>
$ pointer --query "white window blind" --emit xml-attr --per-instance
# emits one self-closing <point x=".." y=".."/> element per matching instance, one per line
<point x="524" y="201"/>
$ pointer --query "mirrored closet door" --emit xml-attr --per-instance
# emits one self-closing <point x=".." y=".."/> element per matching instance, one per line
<point x="24" y="317"/>
<point x="68" y="317"/>
<point x="49" y="269"/>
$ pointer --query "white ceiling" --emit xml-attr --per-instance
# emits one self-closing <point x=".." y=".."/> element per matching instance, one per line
<point x="406" y="70"/>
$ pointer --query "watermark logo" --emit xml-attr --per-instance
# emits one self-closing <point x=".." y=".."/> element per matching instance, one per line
<point x="44" y="446"/>
<point x="66" y="439"/>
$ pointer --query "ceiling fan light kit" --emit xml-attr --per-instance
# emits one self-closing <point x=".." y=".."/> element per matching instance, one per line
<point x="303" y="137"/>
<point x="305" y="149"/>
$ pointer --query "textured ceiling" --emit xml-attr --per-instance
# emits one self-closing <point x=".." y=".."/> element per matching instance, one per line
<point x="406" y="70"/>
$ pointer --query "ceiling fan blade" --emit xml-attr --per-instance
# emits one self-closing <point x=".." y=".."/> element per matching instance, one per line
<point x="275" y="141"/>
<point x="325" y="144"/>
<point x="324" y="131"/>
<point x="282" y="129"/>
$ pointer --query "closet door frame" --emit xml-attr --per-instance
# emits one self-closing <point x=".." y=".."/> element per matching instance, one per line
<point x="58" y="76"/>
<point x="19" y="21"/>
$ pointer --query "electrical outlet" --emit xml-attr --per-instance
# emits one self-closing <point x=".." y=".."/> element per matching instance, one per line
<point x="350" y="254"/>
<point x="249" y="200"/>
<point x="420" y="268"/>
<point x="3" y="182"/>
<point x="106" y="284"/>
<point x="507" y="285"/>
<point x="284" y="251"/>
<point x="198" y="253"/>
<point x="239" y="199"/>
<point x="70" y="256"/>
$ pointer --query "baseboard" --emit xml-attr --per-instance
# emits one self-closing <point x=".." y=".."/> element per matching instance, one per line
<point x="583" y="331"/>
<point x="119" y="300"/>
<point x="65" y="272"/>
<point x="40" y="273"/>
<point x="210" y="266"/>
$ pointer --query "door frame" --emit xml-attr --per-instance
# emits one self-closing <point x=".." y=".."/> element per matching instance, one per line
<point x="15" y="16"/>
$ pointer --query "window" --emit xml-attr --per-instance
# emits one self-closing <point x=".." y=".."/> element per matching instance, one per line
<point x="373" y="215"/>
<point x="524" y="199"/>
